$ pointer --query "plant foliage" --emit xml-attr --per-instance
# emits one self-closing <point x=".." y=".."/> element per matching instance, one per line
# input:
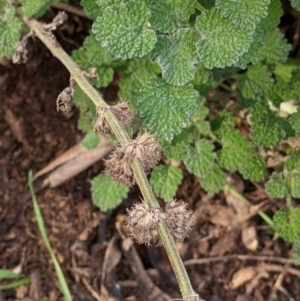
<point x="181" y="64"/>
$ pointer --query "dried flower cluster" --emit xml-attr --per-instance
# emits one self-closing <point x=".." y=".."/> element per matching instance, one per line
<point x="121" y="111"/>
<point x="141" y="222"/>
<point x="20" y="56"/>
<point x="118" y="165"/>
<point x="64" y="101"/>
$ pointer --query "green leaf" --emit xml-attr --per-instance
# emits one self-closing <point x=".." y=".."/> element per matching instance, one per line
<point x="296" y="255"/>
<point x="91" y="8"/>
<point x="214" y="181"/>
<point x="82" y="101"/>
<point x="91" y="140"/>
<point x="275" y="50"/>
<point x="295" y="4"/>
<point x="251" y="55"/>
<point x="139" y="72"/>
<point x="7" y="274"/>
<point x="244" y="13"/>
<point x="257" y="82"/>
<point x="169" y="15"/>
<point x="275" y="187"/>
<point x="218" y="47"/>
<point x="124" y="31"/>
<point x="32" y="7"/>
<point x="166" y="109"/>
<point x="203" y="80"/>
<point x="199" y="160"/>
<point x="293" y="163"/>
<point x="294" y="120"/>
<point x="176" y="148"/>
<point x="200" y="114"/>
<point x="267" y="128"/>
<point x="235" y="148"/>
<point x="91" y="55"/>
<point x="176" y="56"/>
<point x="294" y="183"/>
<point x="106" y="194"/>
<point x="238" y="154"/>
<point x="165" y="180"/>
<point x="273" y="18"/>
<point x="10" y="28"/>
<point x="287" y="223"/>
<point x="253" y="168"/>
<point x="86" y="121"/>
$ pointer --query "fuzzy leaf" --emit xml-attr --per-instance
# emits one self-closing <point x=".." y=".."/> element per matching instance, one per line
<point x="86" y="121"/>
<point x="275" y="50"/>
<point x="200" y="159"/>
<point x="165" y="180"/>
<point x="82" y="101"/>
<point x="266" y="128"/>
<point x="295" y="4"/>
<point x="169" y="15"/>
<point x="9" y="36"/>
<point x="287" y="223"/>
<point x="139" y="72"/>
<point x="214" y="181"/>
<point x="177" y="147"/>
<point x="294" y="183"/>
<point x="123" y="29"/>
<point x="10" y="28"/>
<point x="91" y="8"/>
<point x="91" y="55"/>
<point x="200" y="114"/>
<point x="176" y="56"/>
<point x="32" y="7"/>
<point x="218" y="47"/>
<point x="244" y="13"/>
<point x="251" y="55"/>
<point x="106" y="194"/>
<point x="166" y="109"/>
<point x="253" y="168"/>
<point x="203" y="80"/>
<point x="257" y="82"/>
<point x="294" y="120"/>
<point x="296" y="255"/>
<point x="273" y="18"/>
<point x="276" y="186"/>
<point x="91" y="140"/>
<point x="237" y="154"/>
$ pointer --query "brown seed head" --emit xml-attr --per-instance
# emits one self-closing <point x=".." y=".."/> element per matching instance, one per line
<point x="146" y="149"/>
<point x="119" y="169"/>
<point x="121" y="111"/>
<point x="141" y="223"/>
<point x="178" y="219"/>
<point x="64" y="100"/>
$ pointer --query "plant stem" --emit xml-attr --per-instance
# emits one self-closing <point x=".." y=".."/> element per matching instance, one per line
<point x="199" y="7"/>
<point x="185" y="286"/>
<point x="264" y="216"/>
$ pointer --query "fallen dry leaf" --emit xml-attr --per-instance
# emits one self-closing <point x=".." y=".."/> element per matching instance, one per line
<point x="242" y="276"/>
<point x="249" y="238"/>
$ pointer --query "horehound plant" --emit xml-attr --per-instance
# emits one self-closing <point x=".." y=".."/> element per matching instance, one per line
<point x="128" y="164"/>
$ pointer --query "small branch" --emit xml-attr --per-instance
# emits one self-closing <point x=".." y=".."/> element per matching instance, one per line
<point x="71" y="9"/>
<point x="185" y="286"/>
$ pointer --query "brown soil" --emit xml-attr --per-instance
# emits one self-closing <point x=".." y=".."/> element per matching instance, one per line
<point x="33" y="133"/>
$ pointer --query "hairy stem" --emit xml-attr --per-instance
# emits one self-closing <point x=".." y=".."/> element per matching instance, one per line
<point x="185" y="286"/>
